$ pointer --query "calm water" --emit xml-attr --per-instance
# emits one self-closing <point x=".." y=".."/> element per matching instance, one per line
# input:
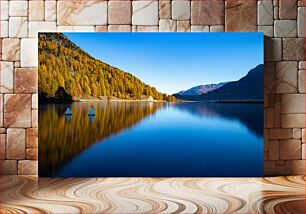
<point x="138" y="139"/>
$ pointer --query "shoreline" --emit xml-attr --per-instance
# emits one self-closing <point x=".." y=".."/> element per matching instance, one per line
<point x="115" y="100"/>
<point x="97" y="100"/>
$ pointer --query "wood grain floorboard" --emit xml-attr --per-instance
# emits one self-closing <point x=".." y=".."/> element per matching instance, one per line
<point x="27" y="194"/>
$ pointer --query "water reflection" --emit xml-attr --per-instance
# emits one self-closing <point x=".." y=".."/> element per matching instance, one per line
<point x="171" y="143"/>
<point x="61" y="137"/>
<point x="250" y="115"/>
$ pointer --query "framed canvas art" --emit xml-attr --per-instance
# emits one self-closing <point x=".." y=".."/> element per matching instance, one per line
<point x="151" y="105"/>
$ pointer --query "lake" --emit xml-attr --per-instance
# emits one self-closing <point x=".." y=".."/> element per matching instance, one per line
<point x="151" y="139"/>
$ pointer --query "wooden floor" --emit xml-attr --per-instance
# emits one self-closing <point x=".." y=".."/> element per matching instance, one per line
<point x="153" y="195"/>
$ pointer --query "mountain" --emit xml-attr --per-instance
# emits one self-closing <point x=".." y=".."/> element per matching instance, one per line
<point x="248" y="88"/>
<point x="201" y="89"/>
<point x="64" y="68"/>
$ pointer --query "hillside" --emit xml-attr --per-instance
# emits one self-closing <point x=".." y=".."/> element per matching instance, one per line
<point x="201" y="89"/>
<point x="66" y="68"/>
<point x="248" y="88"/>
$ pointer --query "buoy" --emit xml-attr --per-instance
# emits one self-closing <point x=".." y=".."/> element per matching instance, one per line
<point x="68" y="118"/>
<point x="68" y="111"/>
<point x="91" y="112"/>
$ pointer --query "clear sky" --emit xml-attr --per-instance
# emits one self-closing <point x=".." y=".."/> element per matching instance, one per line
<point x="172" y="62"/>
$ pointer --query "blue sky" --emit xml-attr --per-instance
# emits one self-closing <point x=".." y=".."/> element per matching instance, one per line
<point x="172" y="62"/>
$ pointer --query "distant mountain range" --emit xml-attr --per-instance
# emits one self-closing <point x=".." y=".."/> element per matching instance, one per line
<point x="201" y="89"/>
<point x="248" y="88"/>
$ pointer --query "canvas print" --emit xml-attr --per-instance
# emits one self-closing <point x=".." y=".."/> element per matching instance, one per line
<point x="151" y="104"/>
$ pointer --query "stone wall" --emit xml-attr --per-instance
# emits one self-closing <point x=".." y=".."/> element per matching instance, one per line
<point x="282" y="21"/>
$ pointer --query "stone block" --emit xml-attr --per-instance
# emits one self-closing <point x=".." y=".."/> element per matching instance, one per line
<point x="90" y="12"/>
<point x="266" y="145"/>
<point x="167" y="25"/>
<point x="301" y="81"/>
<point x="6" y="77"/>
<point x="273" y="49"/>
<point x="34" y="101"/>
<point x="269" y="117"/>
<point x="4" y="29"/>
<point x="302" y="65"/>
<point x="269" y="168"/>
<point x="301" y="21"/>
<point x="119" y="28"/>
<point x="304" y="135"/>
<point x="145" y="13"/>
<point x="18" y="27"/>
<point x="278" y="114"/>
<point x="34" y="118"/>
<point x="32" y="154"/>
<point x="269" y="77"/>
<point x="275" y="13"/>
<point x="36" y="10"/>
<point x="290" y="149"/>
<point x="4" y="10"/>
<point x="17" y="64"/>
<point x="280" y="133"/>
<point x="32" y="138"/>
<point x="199" y="28"/>
<point x="183" y="26"/>
<point x="265" y="12"/>
<point x="303" y="151"/>
<point x="301" y="3"/>
<point x="295" y="167"/>
<point x="280" y="170"/>
<point x="2" y="146"/>
<point x="180" y="10"/>
<point x="285" y="28"/>
<point x="29" y="53"/>
<point x="293" y="120"/>
<point x="50" y="10"/>
<point x="207" y="12"/>
<point x="293" y="49"/>
<point x="216" y="28"/>
<point x="267" y="30"/>
<point x="287" y="9"/>
<point x="286" y="77"/>
<point x="101" y="28"/>
<point x="18" y="8"/>
<point x="8" y="167"/>
<point x="240" y="15"/>
<point x="1" y="110"/>
<point x="273" y="149"/>
<point x="17" y="110"/>
<point x="164" y="9"/>
<point x="75" y="28"/>
<point x="266" y="155"/>
<point x="11" y="49"/>
<point x="27" y="167"/>
<point x="297" y="133"/>
<point x="15" y="144"/>
<point x="26" y="80"/>
<point x="147" y="28"/>
<point x="37" y="26"/>
<point x="119" y="12"/>
<point x="293" y="103"/>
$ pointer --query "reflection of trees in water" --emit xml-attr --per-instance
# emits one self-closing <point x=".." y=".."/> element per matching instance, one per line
<point x="250" y="115"/>
<point x="61" y="139"/>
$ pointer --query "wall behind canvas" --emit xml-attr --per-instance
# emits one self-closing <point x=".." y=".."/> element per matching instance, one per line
<point x="282" y="21"/>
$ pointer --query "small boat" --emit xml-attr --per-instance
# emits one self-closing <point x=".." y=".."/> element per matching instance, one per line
<point x="91" y="112"/>
<point x="68" y="111"/>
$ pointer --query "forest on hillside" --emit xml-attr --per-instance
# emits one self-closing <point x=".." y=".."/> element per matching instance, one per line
<point x="64" y="65"/>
